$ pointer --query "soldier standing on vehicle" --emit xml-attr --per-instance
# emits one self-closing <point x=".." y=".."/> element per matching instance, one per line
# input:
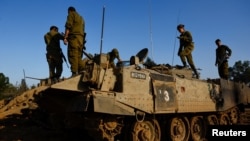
<point x="186" y="47"/>
<point x="54" y="53"/>
<point x="111" y="56"/>
<point x="223" y="52"/>
<point x="75" y="39"/>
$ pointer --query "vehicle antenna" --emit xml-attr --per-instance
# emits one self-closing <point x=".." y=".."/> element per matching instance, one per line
<point x="175" y="38"/>
<point x="98" y="70"/>
<point x="150" y="29"/>
<point x="24" y="79"/>
<point x="103" y="11"/>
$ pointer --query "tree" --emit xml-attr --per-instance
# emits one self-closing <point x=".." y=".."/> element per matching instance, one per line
<point x="240" y="72"/>
<point x="4" y="82"/>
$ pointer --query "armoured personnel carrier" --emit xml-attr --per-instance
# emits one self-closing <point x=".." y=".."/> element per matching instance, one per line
<point x="134" y="102"/>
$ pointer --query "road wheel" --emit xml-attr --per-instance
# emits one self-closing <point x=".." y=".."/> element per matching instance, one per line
<point x="147" y="130"/>
<point x="212" y="120"/>
<point x="234" y="115"/>
<point x="179" y="129"/>
<point x="198" y="128"/>
<point x="224" y="119"/>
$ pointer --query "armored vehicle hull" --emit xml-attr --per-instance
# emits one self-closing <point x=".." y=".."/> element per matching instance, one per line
<point x="135" y="103"/>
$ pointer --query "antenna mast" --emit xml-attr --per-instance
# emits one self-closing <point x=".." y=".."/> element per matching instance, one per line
<point x="24" y="79"/>
<point x="175" y="38"/>
<point x="103" y="11"/>
<point x="150" y="28"/>
<point x="98" y="70"/>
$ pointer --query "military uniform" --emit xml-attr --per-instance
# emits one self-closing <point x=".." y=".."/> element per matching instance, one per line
<point x="185" y="49"/>
<point x="111" y="56"/>
<point x="76" y="26"/>
<point x="54" y="53"/>
<point x="222" y="54"/>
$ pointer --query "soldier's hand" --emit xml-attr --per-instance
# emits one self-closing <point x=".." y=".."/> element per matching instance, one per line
<point x="65" y="41"/>
<point x="178" y="37"/>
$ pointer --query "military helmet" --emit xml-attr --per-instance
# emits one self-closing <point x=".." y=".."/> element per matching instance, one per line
<point x="71" y="8"/>
<point x="217" y="41"/>
<point x="53" y="27"/>
<point x="115" y="51"/>
<point x="180" y="26"/>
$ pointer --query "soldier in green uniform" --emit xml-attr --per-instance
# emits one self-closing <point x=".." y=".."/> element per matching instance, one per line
<point x="54" y="53"/>
<point x="186" y="47"/>
<point x="223" y="52"/>
<point x="111" y="56"/>
<point x="74" y="38"/>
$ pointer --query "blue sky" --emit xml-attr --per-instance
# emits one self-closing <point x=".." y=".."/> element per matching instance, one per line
<point x="129" y="25"/>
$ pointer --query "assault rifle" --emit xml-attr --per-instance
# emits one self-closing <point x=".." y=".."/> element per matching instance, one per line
<point x="224" y="58"/>
<point x="84" y="40"/>
<point x="64" y="58"/>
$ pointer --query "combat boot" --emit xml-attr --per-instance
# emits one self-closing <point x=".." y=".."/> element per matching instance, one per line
<point x="74" y="74"/>
<point x="196" y="74"/>
<point x="184" y="65"/>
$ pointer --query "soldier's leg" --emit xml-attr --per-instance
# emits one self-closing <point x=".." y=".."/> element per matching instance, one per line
<point x="80" y="53"/>
<point x="80" y="61"/>
<point x="184" y="54"/>
<point x="49" y="60"/>
<point x="225" y="71"/>
<point x="59" y="68"/>
<point x="52" y="68"/>
<point x="183" y="60"/>
<point x="220" y="70"/>
<point x="191" y="63"/>
<point x="73" y="56"/>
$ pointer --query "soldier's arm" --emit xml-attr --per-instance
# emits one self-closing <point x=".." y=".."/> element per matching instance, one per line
<point x="216" y="58"/>
<point x="187" y="37"/>
<point x="119" y="59"/>
<point x="180" y="49"/>
<point x="229" y="51"/>
<point x="68" y="24"/>
<point x="46" y="39"/>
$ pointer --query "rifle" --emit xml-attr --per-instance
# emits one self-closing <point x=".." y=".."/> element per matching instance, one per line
<point x="84" y="40"/>
<point x="224" y="58"/>
<point x="64" y="58"/>
<point x="86" y="54"/>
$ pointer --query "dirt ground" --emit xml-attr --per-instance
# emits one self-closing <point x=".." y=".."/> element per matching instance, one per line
<point x="23" y="129"/>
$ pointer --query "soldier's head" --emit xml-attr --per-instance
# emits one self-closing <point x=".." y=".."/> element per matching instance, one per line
<point x="180" y="28"/>
<point x="55" y="28"/>
<point x="217" y="42"/>
<point x="71" y="9"/>
<point x="115" y="52"/>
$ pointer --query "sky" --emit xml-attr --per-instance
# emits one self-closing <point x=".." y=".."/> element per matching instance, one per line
<point x="128" y="25"/>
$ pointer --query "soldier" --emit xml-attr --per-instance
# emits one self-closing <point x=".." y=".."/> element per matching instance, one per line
<point x="74" y="38"/>
<point x="111" y="56"/>
<point x="223" y="52"/>
<point x="54" y="53"/>
<point x="186" y="47"/>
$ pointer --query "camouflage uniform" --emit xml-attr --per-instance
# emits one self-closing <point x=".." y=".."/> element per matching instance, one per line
<point x="222" y="54"/>
<point x="111" y="56"/>
<point x="185" y="49"/>
<point x="76" y="26"/>
<point x="53" y="55"/>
